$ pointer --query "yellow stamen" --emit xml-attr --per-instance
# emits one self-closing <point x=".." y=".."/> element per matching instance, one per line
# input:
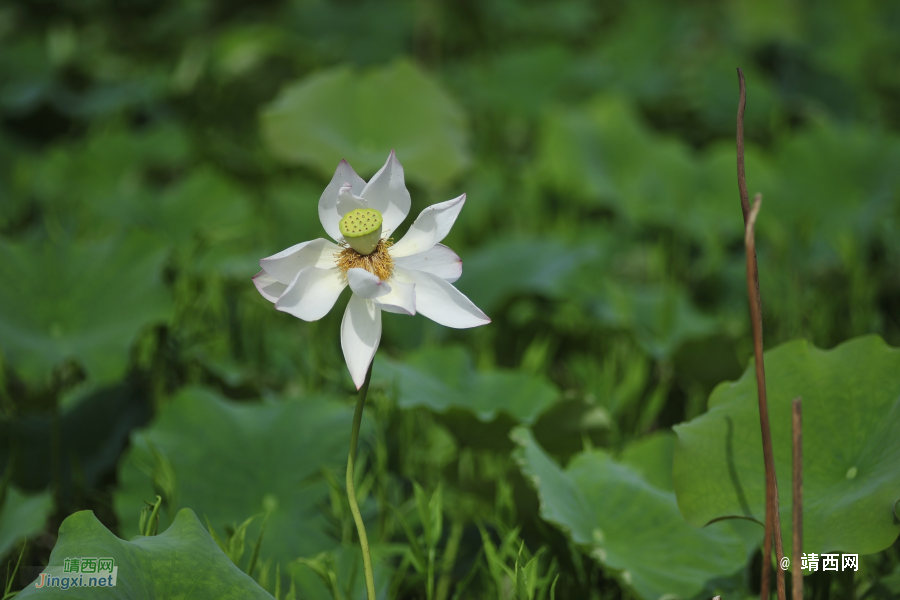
<point x="378" y="263"/>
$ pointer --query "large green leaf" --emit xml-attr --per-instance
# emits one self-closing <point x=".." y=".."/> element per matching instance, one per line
<point x="851" y="446"/>
<point x="629" y="525"/>
<point x="182" y="562"/>
<point x="22" y="516"/>
<point x="84" y="302"/>
<point x="441" y="379"/>
<point x="341" y="114"/>
<point x="229" y="461"/>
<point x="651" y="456"/>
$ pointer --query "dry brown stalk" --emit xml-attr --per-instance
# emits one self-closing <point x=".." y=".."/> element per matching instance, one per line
<point x="797" y="497"/>
<point x="773" y="520"/>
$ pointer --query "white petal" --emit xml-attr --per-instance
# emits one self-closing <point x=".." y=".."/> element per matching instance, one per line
<point x="285" y="265"/>
<point x="312" y="293"/>
<point x="328" y="213"/>
<point x="401" y="300"/>
<point x="443" y="303"/>
<point x="440" y="261"/>
<point x="270" y="288"/>
<point x="347" y="201"/>
<point x="386" y="192"/>
<point x="360" y="334"/>
<point x="366" y="284"/>
<point x="431" y="226"/>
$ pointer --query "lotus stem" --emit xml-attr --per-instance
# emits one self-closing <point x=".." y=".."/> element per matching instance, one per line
<point x="351" y="490"/>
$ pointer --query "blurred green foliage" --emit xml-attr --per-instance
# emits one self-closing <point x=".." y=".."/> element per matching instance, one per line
<point x="22" y="516"/>
<point x="152" y="152"/>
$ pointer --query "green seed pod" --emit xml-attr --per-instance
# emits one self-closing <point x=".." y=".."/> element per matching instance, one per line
<point x="362" y="229"/>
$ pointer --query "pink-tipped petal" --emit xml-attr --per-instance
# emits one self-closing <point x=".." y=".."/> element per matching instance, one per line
<point x="312" y="293"/>
<point x="360" y="335"/>
<point x="386" y="192"/>
<point x="431" y="226"/>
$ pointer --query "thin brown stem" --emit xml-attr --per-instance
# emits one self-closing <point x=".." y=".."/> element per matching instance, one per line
<point x="773" y="520"/>
<point x="797" y="497"/>
<point x="742" y="175"/>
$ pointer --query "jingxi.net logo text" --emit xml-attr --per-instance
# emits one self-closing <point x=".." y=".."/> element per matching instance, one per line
<point x="830" y="562"/>
<point x="80" y="572"/>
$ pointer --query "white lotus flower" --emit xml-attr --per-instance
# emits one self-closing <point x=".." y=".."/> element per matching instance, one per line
<point x="410" y="276"/>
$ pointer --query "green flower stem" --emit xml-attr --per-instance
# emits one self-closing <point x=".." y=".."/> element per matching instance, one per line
<point x="351" y="491"/>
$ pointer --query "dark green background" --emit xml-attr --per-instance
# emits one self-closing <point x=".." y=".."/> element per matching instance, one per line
<point x="141" y="181"/>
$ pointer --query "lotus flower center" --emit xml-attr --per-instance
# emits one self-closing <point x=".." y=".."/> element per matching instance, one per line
<point x="361" y="229"/>
<point x="379" y="262"/>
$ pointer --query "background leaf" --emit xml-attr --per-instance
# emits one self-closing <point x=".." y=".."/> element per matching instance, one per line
<point x="628" y="524"/>
<point x="93" y="431"/>
<point x="230" y="461"/>
<point x="85" y="302"/>
<point x="443" y="378"/>
<point x="182" y="560"/>
<point x="342" y="114"/>
<point x="851" y="446"/>
<point x="22" y="516"/>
